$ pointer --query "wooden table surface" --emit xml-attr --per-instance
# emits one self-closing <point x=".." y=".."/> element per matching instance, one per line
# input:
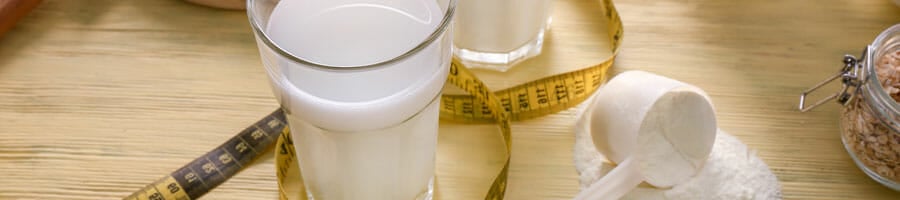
<point x="100" y="97"/>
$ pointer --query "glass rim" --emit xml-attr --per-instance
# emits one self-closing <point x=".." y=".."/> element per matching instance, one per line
<point x="437" y="33"/>
<point x="872" y="54"/>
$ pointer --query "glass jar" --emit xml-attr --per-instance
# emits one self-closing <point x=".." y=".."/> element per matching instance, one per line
<point x="870" y="119"/>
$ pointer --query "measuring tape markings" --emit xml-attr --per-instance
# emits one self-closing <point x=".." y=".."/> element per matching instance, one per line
<point x="543" y="96"/>
<point x="466" y="80"/>
<point x="213" y="168"/>
<point x="526" y="101"/>
<point x="530" y="100"/>
<point x="290" y="181"/>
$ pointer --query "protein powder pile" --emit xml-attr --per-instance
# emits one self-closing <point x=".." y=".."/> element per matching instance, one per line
<point x="732" y="171"/>
<point x="659" y="131"/>
<point x="873" y="143"/>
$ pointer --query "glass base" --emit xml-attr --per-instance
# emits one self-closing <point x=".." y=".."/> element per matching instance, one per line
<point x="500" y="61"/>
<point x="428" y="194"/>
<point x="875" y="176"/>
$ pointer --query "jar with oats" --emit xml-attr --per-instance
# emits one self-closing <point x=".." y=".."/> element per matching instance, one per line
<point x="870" y="119"/>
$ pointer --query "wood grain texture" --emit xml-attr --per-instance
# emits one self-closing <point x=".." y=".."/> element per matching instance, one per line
<point x="100" y="97"/>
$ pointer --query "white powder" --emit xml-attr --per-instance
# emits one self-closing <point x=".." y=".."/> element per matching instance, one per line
<point x="732" y="172"/>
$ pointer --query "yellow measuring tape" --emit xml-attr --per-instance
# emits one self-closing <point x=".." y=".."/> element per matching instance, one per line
<point x="533" y="99"/>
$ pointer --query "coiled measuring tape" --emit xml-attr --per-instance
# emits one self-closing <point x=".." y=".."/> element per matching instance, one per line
<point x="530" y="100"/>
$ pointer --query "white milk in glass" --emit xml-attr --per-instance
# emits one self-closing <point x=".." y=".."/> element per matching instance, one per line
<point x="497" y="33"/>
<point x="370" y="132"/>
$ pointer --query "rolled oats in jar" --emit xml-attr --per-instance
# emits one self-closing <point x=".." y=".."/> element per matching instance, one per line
<point x="870" y="119"/>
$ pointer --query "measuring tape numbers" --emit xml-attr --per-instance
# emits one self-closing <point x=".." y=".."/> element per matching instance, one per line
<point x="540" y="97"/>
<point x="530" y="100"/>
<point x="215" y="167"/>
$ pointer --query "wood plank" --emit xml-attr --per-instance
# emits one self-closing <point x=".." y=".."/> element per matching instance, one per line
<point x="101" y="97"/>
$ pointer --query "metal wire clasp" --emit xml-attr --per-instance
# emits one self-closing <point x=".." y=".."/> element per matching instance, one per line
<point x="850" y="79"/>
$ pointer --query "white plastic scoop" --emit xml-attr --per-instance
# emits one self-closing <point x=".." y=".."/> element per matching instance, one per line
<point x="657" y="129"/>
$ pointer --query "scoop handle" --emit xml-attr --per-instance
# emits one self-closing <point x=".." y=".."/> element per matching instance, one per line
<point x="615" y="184"/>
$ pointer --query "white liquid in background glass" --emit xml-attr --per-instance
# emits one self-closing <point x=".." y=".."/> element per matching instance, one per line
<point x="500" y="31"/>
<point x="360" y="134"/>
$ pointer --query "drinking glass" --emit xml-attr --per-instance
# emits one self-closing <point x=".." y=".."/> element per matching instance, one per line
<point x="362" y="131"/>
<point x="496" y="34"/>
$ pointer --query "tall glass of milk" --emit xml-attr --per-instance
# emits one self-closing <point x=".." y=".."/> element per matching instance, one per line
<point x="360" y="83"/>
<point x="496" y="34"/>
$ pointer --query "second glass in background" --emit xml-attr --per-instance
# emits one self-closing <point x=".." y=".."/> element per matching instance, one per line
<point x="497" y="34"/>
